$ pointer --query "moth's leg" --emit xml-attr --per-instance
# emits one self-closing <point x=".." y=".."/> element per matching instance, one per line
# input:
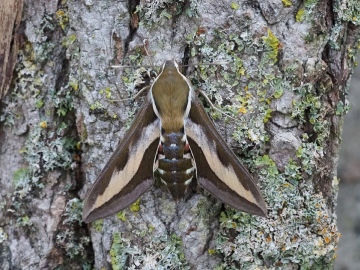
<point x="212" y="105"/>
<point x="146" y="88"/>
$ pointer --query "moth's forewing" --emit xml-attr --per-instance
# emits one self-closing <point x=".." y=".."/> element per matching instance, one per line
<point x="129" y="172"/>
<point x="218" y="170"/>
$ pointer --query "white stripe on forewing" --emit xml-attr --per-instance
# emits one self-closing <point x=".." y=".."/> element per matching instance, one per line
<point x="224" y="173"/>
<point x="120" y="179"/>
<point x="163" y="181"/>
<point x="187" y="182"/>
<point x="188" y="171"/>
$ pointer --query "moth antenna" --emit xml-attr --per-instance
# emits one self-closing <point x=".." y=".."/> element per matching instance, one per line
<point x="207" y="64"/>
<point x="130" y="98"/>
<point x="188" y="65"/>
<point x="124" y="66"/>
<point x="213" y="106"/>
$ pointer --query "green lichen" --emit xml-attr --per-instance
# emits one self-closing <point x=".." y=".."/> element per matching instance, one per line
<point x="106" y="92"/>
<point x="121" y="215"/>
<point x="39" y="104"/>
<point x="118" y="253"/>
<point x="135" y="207"/>
<point x="68" y="40"/>
<point x="287" y="3"/>
<point x="300" y="15"/>
<point x="234" y="5"/>
<point x="74" y="84"/>
<point x="292" y="172"/>
<point x="271" y="169"/>
<point x="278" y="92"/>
<point x="267" y="115"/>
<point x="23" y="221"/>
<point x="63" y="18"/>
<point x="272" y="46"/>
<point x="98" y="225"/>
<point x="97" y="106"/>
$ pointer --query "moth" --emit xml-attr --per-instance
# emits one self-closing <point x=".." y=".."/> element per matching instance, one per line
<point x="173" y="135"/>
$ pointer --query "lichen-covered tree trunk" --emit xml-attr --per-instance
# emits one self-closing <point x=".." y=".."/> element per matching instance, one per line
<point x="288" y="63"/>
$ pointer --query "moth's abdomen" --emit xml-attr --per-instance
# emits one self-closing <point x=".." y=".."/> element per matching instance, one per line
<point x="175" y="163"/>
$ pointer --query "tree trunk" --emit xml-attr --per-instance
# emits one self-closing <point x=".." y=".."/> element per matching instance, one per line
<point x="288" y="65"/>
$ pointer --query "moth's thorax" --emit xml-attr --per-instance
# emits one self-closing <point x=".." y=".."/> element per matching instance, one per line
<point x="170" y="94"/>
<point x="175" y="165"/>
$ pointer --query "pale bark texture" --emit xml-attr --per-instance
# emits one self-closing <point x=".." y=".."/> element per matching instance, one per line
<point x="10" y="18"/>
<point x="287" y="67"/>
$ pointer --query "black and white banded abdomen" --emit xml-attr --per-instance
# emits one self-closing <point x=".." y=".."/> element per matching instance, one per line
<point x="175" y="165"/>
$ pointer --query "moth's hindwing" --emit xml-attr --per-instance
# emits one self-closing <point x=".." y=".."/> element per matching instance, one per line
<point x="217" y="168"/>
<point x="129" y="172"/>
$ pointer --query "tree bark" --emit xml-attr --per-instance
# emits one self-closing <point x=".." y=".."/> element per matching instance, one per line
<point x="10" y="15"/>
<point x="287" y="67"/>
